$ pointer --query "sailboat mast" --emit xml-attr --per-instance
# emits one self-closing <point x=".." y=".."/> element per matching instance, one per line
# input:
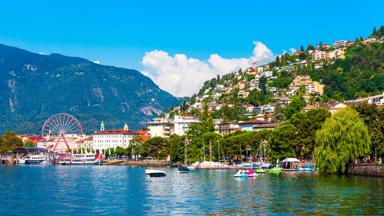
<point x="185" y="152"/>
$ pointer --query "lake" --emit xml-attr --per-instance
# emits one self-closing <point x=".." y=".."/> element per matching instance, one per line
<point x="119" y="190"/>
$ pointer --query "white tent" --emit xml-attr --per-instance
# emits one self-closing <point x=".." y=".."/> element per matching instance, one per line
<point x="290" y="160"/>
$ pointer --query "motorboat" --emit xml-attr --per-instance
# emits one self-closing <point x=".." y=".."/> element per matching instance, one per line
<point x="260" y="170"/>
<point x="155" y="173"/>
<point x="307" y="168"/>
<point x="265" y="165"/>
<point x="183" y="169"/>
<point x="247" y="165"/>
<point x="275" y="170"/>
<point x="240" y="174"/>
<point x="251" y="165"/>
<point x="245" y="174"/>
<point x="34" y="159"/>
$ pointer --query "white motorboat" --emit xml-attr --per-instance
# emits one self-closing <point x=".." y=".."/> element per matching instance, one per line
<point x="245" y="174"/>
<point x="34" y="159"/>
<point x="155" y="173"/>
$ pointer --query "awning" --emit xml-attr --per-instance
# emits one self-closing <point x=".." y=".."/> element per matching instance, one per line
<point x="290" y="160"/>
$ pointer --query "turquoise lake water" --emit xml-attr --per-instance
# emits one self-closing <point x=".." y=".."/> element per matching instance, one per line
<point x="115" y="190"/>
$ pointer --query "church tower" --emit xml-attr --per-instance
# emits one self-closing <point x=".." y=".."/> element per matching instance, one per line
<point x="126" y="126"/>
<point x="102" y="128"/>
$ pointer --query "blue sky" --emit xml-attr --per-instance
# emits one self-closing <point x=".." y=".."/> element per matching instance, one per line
<point x="119" y="33"/>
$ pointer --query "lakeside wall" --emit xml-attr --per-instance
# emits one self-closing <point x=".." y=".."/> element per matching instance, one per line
<point x="147" y="163"/>
<point x="366" y="170"/>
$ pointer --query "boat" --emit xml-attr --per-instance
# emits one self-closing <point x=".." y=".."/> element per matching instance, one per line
<point x="265" y="165"/>
<point x="247" y="165"/>
<point x="245" y="174"/>
<point x="183" y="169"/>
<point x="240" y="174"/>
<point x="260" y="170"/>
<point x="275" y="170"/>
<point x="84" y="159"/>
<point x="250" y="173"/>
<point x="34" y="159"/>
<point x="307" y="168"/>
<point x="155" y="173"/>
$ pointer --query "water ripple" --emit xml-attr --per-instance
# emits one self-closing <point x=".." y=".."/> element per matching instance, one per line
<point x="105" y="190"/>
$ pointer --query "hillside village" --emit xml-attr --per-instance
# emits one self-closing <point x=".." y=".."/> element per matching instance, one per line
<point x="261" y="97"/>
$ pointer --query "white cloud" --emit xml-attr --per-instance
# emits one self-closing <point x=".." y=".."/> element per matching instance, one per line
<point x="183" y="76"/>
<point x="293" y="50"/>
<point x="96" y="61"/>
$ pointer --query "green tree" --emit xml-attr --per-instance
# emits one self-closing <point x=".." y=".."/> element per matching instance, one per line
<point x="156" y="147"/>
<point x="343" y="138"/>
<point x="176" y="148"/>
<point x="306" y="124"/>
<point x="297" y="104"/>
<point x="277" y="61"/>
<point x="373" y="117"/>
<point x="28" y="143"/>
<point x="9" y="141"/>
<point x="281" y="141"/>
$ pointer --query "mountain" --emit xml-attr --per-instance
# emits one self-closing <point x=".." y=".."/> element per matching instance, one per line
<point x="34" y="87"/>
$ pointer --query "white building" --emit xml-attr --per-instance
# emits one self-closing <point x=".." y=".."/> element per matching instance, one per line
<point x="377" y="99"/>
<point x="182" y="124"/>
<point x="105" y="139"/>
<point x="160" y="127"/>
<point x="340" y="43"/>
<point x="337" y="107"/>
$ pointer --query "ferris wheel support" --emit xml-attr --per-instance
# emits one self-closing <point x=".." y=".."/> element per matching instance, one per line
<point x="58" y="141"/>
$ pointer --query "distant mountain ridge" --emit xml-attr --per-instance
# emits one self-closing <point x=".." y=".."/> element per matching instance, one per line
<point x="34" y="87"/>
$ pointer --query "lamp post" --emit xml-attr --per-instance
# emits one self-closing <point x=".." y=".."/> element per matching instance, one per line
<point x="248" y="149"/>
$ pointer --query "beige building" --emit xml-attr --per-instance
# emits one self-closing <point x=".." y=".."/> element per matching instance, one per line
<point x="160" y="127"/>
<point x="311" y="87"/>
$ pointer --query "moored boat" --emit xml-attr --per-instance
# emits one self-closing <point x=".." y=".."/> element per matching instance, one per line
<point x="260" y="170"/>
<point x="183" y="169"/>
<point x="307" y="168"/>
<point x="84" y="159"/>
<point x="275" y="170"/>
<point x="240" y="174"/>
<point x="155" y="173"/>
<point x="245" y="174"/>
<point x="35" y="159"/>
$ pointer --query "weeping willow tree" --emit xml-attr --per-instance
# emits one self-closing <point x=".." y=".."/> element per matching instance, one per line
<point x="343" y="138"/>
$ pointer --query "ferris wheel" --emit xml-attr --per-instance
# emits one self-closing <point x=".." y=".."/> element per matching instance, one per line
<point x="59" y="125"/>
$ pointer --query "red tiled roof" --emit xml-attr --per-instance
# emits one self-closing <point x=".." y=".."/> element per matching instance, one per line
<point x="297" y="52"/>
<point x="116" y="132"/>
<point x="269" y="125"/>
<point x="143" y="134"/>
<point x="88" y="139"/>
<point x="308" y="107"/>
<point x="253" y="121"/>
